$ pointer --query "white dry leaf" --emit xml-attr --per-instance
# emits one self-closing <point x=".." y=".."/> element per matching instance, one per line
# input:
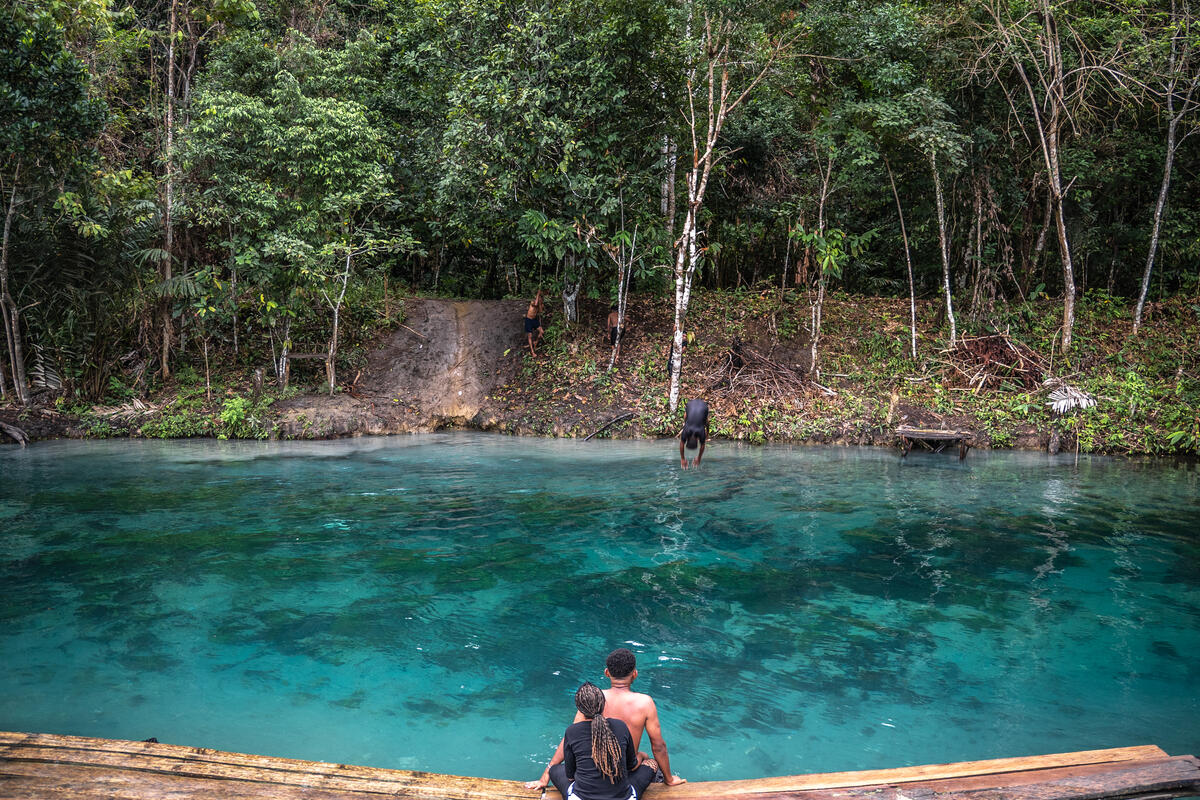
<point x="1066" y="398"/>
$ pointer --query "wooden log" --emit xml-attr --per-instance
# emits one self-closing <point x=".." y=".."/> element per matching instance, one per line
<point x="50" y="767"/>
<point x="16" y="434"/>
<point x="904" y="775"/>
<point x="207" y="766"/>
<point x="1167" y="777"/>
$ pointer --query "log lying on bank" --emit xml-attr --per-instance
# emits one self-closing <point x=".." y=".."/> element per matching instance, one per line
<point x="16" y="434"/>
<point x="51" y="767"/>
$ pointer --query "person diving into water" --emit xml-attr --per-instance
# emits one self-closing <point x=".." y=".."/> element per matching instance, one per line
<point x="695" y="431"/>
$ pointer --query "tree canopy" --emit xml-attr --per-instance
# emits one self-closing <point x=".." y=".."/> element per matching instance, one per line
<point x="228" y="171"/>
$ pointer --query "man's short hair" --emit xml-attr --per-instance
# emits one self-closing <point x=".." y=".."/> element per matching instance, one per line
<point x="621" y="663"/>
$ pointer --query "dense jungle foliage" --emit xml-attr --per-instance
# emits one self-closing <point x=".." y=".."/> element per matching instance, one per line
<point x="193" y="181"/>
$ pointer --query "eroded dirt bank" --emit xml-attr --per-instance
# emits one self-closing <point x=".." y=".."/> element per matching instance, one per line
<point x="435" y="371"/>
<point x="465" y="365"/>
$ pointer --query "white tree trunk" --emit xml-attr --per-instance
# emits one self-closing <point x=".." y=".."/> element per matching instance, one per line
<point x="720" y="101"/>
<point x="1064" y="246"/>
<point x="942" y="245"/>
<point x="1154" y="230"/>
<point x="282" y="369"/>
<point x="912" y="292"/>
<point x="1173" y="119"/>
<point x="336" y="305"/>
<point x="686" y="260"/>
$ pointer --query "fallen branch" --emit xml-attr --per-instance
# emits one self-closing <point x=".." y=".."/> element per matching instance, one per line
<point x="410" y="330"/>
<point x="608" y="424"/>
<point x="16" y="434"/>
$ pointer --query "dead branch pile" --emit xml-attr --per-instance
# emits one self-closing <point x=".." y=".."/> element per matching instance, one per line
<point x="744" y="372"/>
<point x="987" y="361"/>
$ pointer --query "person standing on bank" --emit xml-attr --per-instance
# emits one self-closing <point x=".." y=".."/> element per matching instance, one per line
<point x="695" y="431"/>
<point x="612" y="327"/>
<point x="533" y="323"/>
<point x="600" y="759"/>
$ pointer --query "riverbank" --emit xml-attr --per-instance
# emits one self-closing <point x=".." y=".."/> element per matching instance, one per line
<point x="465" y="365"/>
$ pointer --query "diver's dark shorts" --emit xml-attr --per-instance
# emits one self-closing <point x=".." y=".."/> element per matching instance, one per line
<point x="532" y="325"/>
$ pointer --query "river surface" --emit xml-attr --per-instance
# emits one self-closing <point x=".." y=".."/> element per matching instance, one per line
<point x="432" y="602"/>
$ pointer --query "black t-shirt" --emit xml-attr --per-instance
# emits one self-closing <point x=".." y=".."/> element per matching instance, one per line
<point x="590" y="783"/>
<point x="695" y="420"/>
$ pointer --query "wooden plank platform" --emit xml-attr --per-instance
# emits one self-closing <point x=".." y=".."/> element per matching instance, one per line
<point x="50" y="767"/>
<point x="934" y="439"/>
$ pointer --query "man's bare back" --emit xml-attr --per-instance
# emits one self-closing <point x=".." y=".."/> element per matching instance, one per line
<point x="632" y="708"/>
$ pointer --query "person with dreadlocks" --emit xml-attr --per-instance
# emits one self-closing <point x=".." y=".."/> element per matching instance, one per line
<point x="600" y="760"/>
<point x="639" y="713"/>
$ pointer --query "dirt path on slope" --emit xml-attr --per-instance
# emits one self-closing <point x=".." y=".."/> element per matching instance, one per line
<point x="435" y="371"/>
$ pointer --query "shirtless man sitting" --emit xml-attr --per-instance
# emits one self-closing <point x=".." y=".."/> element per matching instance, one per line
<point x="634" y="709"/>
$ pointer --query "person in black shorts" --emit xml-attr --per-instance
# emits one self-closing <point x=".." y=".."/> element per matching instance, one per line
<point x="695" y="431"/>
<point x="614" y="330"/>
<point x="533" y="322"/>
<point x="600" y="761"/>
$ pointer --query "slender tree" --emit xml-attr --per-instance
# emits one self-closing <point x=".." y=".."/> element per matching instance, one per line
<point x="1179" y="85"/>
<point x="712" y="97"/>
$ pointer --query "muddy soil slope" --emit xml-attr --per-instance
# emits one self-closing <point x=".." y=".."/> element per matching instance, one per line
<point x="433" y="372"/>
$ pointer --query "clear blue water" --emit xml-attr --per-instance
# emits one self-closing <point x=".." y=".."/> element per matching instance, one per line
<point x="432" y="602"/>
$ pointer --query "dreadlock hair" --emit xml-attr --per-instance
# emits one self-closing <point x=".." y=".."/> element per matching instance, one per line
<point x="606" y="748"/>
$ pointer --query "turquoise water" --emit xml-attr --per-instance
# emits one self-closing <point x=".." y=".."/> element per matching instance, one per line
<point x="432" y="602"/>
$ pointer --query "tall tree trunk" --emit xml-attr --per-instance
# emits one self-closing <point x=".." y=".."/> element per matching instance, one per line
<point x="1163" y="190"/>
<point x="686" y="260"/>
<point x="670" y="154"/>
<point x="1040" y="247"/>
<point x="625" y="257"/>
<point x="1050" y="149"/>
<point x="572" y="281"/>
<point x="715" y="45"/>
<point x="1173" y="119"/>
<point x="282" y="364"/>
<point x="912" y="292"/>
<point x="169" y="157"/>
<point x="1064" y="246"/>
<point x="818" y="307"/>
<point x="336" y="305"/>
<point x="941" y="212"/>
<point x="12" y="313"/>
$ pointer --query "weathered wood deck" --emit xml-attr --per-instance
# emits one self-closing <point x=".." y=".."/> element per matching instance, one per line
<point x="49" y="767"/>
<point x="934" y="439"/>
